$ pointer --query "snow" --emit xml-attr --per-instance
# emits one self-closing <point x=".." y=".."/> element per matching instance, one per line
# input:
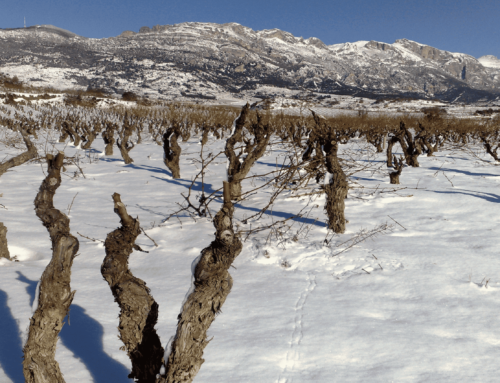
<point x="490" y="61"/>
<point x="416" y="303"/>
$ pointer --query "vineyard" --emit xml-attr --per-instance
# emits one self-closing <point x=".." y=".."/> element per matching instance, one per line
<point x="181" y="242"/>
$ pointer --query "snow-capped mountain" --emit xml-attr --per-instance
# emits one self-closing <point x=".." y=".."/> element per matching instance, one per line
<point x="210" y="60"/>
<point x="489" y="61"/>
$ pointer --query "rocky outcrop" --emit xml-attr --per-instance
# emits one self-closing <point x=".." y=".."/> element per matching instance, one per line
<point x="127" y="34"/>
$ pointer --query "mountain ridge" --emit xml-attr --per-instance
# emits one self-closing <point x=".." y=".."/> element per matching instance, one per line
<point x="209" y="59"/>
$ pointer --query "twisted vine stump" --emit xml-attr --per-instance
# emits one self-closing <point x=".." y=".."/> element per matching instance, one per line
<point x="67" y="130"/>
<point x="91" y="134"/>
<point x="336" y="185"/>
<point x="172" y="151"/>
<point x="138" y="309"/>
<point x="109" y="138"/>
<point x="411" y="146"/>
<point x="398" y="166"/>
<point x="55" y="295"/>
<point x="212" y="284"/>
<point x="336" y="188"/>
<point x="124" y="144"/>
<point x="393" y="140"/>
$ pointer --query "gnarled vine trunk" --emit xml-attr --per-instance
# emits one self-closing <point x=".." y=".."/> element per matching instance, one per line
<point x="172" y="151"/>
<point x="336" y="189"/>
<point x="398" y="166"/>
<point x="212" y="284"/>
<point x="138" y="309"/>
<point x="55" y="295"/>
<point x="109" y="138"/>
<point x="124" y="144"/>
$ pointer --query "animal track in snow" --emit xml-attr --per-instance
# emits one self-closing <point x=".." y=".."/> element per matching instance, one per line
<point x="293" y="353"/>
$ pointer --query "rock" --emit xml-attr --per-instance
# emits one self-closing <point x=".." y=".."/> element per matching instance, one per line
<point x="127" y="34"/>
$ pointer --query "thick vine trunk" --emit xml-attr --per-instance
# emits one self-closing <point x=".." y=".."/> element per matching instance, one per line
<point x="212" y="284"/>
<point x="123" y="144"/>
<point x="410" y="145"/>
<point x="69" y="131"/>
<point x="336" y="189"/>
<point x="138" y="309"/>
<point x="398" y="166"/>
<point x="91" y="135"/>
<point x="4" y="250"/>
<point x="55" y="295"/>
<point x="390" y="145"/>
<point x="204" y="137"/>
<point x="172" y="151"/>
<point x="109" y="138"/>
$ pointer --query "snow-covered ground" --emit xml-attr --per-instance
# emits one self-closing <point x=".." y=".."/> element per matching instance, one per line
<point x="415" y="303"/>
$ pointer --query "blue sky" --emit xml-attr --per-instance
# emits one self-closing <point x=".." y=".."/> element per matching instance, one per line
<point x="467" y="26"/>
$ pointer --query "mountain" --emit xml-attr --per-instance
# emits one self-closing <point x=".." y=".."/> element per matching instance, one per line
<point x="211" y="60"/>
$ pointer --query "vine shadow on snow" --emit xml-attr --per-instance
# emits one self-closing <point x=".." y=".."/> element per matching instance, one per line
<point x="465" y="172"/>
<point x="82" y="335"/>
<point x="284" y="215"/>
<point x="490" y="197"/>
<point x="11" y="351"/>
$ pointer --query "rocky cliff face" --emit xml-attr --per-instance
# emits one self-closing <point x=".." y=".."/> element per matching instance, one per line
<point x="211" y="60"/>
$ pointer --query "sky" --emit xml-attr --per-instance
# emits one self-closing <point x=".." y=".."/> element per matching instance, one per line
<point x="466" y="26"/>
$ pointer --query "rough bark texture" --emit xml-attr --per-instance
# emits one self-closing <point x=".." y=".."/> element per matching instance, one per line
<point x="55" y="294"/>
<point x="172" y="151"/>
<point x="411" y="146"/>
<point x="390" y="145"/>
<point x="398" y="166"/>
<point x="377" y="139"/>
<point x="204" y="137"/>
<point x="255" y="147"/>
<point x="123" y="143"/>
<point x="91" y="134"/>
<point x="138" y="309"/>
<point x="212" y="284"/>
<point x="487" y="138"/>
<point x="109" y="138"/>
<point x="67" y="130"/>
<point x="325" y="139"/>
<point x="4" y="250"/>
<point x="336" y="189"/>
<point x="29" y="154"/>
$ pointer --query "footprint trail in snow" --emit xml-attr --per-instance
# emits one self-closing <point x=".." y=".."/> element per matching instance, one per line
<point x="293" y="353"/>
